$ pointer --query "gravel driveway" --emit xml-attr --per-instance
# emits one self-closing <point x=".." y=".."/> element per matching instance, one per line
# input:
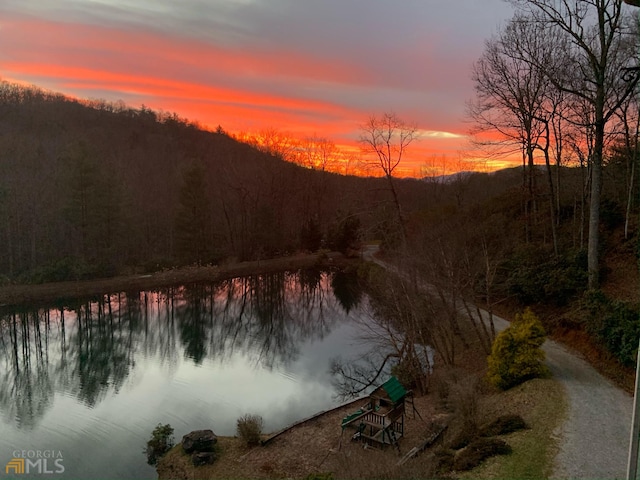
<point x="594" y="439"/>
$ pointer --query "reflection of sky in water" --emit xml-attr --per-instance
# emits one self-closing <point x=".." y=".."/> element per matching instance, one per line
<point x="162" y="384"/>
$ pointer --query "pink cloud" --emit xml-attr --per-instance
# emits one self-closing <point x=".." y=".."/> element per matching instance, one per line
<point x="240" y="89"/>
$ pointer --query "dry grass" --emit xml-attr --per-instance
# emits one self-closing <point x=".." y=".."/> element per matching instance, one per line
<point x="317" y="446"/>
<point x="320" y="447"/>
<point x="540" y="402"/>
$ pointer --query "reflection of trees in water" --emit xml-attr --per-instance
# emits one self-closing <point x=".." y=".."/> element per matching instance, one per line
<point x="273" y="325"/>
<point x="347" y="289"/>
<point x="88" y="348"/>
<point x="193" y="322"/>
<point x="26" y="389"/>
<point x="265" y="316"/>
<point x="401" y="325"/>
<point x="102" y="345"/>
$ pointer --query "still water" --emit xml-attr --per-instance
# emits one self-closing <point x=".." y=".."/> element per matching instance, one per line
<point x="85" y="382"/>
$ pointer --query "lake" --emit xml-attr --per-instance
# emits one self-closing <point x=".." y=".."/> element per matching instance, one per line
<point x="83" y="383"/>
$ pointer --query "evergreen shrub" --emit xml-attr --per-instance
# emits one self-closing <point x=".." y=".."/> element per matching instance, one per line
<point x="160" y="443"/>
<point x="536" y="275"/>
<point x="516" y="354"/>
<point x="615" y="324"/>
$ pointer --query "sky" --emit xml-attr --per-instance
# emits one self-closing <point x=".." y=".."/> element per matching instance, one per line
<point x="305" y="67"/>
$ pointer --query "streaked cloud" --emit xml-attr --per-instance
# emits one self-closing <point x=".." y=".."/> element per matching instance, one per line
<point x="313" y="67"/>
<point x="441" y="135"/>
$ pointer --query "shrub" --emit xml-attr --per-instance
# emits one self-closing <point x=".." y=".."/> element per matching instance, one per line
<point x="611" y="214"/>
<point x="249" y="429"/>
<point x="465" y="397"/>
<point x="459" y="393"/>
<point x="319" y="476"/>
<point x="443" y="460"/>
<point x="503" y="425"/>
<point x="345" y="235"/>
<point x="311" y="236"/>
<point x="613" y="323"/>
<point x="479" y="450"/>
<point x="516" y="355"/>
<point x="160" y="443"/>
<point x="535" y="275"/>
<point x="411" y="373"/>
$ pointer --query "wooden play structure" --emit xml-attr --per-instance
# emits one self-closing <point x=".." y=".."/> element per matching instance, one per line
<point x="380" y="422"/>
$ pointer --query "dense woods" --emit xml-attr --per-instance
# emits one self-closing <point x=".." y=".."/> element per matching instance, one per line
<point x="92" y="189"/>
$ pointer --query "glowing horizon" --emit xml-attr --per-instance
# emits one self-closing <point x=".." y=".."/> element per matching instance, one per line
<point x="246" y="68"/>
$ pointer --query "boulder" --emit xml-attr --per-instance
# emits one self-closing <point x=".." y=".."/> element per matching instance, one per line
<point x="199" y="441"/>
<point x="203" y="458"/>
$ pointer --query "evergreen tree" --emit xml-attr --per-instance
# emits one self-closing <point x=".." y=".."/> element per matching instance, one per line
<point x="193" y="223"/>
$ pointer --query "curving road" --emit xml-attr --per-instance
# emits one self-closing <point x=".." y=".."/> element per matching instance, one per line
<point x="594" y="439"/>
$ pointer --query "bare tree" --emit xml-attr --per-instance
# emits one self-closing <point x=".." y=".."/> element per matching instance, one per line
<point x="630" y="125"/>
<point x="387" y="138"/>
<point x="595" y="31"/>
<point x="515" y="99"/>
<point x="318" y="153"/>
<point x="402" y="328"/>
<point x="273" y="141"/>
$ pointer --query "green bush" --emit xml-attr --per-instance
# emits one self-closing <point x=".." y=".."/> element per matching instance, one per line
<point x="613" y="323"/>
<point x="516" y="355"/>
<point x="611" y="214"/>
<point x="319" y="476"/>
<point x="345" y="235"/>
<point x="249" y="429"/>
<point x="68" y="269"/>
<point x="160" y="443"/>
<point x="536" y="275"/>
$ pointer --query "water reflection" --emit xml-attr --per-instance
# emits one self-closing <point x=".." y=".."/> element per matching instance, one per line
<point x="88" y="349"/>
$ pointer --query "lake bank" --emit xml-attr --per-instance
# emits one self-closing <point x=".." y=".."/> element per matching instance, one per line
<point x="104" y="371"/>
<point x="14" y="295"/>
<point x="319" y="447"/>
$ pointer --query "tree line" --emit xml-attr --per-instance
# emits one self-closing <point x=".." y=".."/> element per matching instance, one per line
<point x="93" y="188"/>
<point x="557" y="84"/>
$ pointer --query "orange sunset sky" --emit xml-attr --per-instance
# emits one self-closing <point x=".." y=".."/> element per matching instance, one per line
<point x="308" y="67"/>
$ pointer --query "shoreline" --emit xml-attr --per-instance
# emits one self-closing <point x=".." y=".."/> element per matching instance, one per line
<point x="316" y="444"/>
<point x="17" y="295"/>
<point x="273" y="435"/>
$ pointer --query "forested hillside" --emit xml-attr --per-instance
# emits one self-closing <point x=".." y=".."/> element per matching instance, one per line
<point x="94" y="189"/>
